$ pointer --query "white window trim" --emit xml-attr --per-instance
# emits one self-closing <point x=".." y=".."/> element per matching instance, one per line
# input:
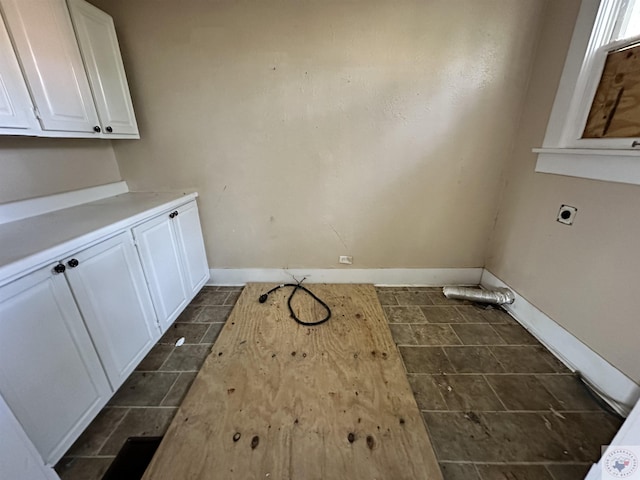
<point x="563" y="152"/>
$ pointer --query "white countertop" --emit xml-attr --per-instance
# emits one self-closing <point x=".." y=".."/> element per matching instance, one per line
<point x="37" y="241"/>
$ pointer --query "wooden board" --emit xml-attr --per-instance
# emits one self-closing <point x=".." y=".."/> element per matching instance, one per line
<point x="277" y="400"/>
<point x="615" y="111"/>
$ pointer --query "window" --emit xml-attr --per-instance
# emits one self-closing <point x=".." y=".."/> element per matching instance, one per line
<point x="594" y="128"/>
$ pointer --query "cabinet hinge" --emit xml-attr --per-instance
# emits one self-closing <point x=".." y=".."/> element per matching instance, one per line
<point x="36" y="112"/>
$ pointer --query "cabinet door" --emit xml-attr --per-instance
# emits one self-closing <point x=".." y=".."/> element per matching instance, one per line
<point x="101" y="54"/>
<point x="19" y="459"/>
<point x="109" y="287"/>
<point x="161" y="261"/>
<point x="16" y="109"/>
<point x="189" y="235"/>
<point x="47" y="49"/>
<point x="50" y="374"/>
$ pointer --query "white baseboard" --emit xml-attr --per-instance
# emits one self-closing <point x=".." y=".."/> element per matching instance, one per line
<point x="379" y="276"/>
<point x="623" y="391"/>
<point x="12" y="211"/>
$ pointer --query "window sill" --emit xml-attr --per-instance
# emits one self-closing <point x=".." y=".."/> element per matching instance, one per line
<point x="621" y="166"/>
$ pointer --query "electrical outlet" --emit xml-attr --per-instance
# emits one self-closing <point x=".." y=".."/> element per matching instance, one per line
<point x="567" y="214"/>
<point x="346" y="259"/>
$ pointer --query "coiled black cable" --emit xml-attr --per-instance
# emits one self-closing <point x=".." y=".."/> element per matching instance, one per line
<point x="296" y="287"/>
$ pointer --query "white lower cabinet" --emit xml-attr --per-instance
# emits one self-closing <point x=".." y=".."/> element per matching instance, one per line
<point x="73" y="331"/>
<point x="19" y="459"/>
<point x="189" y="234"/>
<point x="50" y="374"/>
<point x="174" y="260"/>
<point x="109" y="286"/>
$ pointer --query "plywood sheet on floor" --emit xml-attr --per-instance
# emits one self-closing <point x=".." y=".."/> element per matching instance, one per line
<point x="283" y="401"/>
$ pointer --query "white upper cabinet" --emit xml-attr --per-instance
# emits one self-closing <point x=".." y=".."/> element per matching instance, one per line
<point x="61" y="72"/>
<point x="101" y="54"/>
<point x="48" y="52"/>
<point x="16" y="109"/>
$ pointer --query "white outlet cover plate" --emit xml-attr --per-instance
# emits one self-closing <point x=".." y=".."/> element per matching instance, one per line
<point x="567" y="214"/>
<point x="346" y="259"/>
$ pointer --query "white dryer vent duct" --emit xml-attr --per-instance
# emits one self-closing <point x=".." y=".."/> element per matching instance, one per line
<point x="498" y="296"/>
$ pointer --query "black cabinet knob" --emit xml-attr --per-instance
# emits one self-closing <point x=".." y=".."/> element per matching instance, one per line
<point x="109" y="129"/>
<point x="73" y="263"/>
<point x="173" y="214"/>
<point x="97" y="129"/>
<point x="60" y="268"/>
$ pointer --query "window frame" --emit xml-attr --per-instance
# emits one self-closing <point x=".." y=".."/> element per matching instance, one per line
<point x="564" y="152"/>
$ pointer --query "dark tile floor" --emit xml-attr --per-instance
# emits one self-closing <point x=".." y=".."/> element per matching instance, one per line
<point x="497" y="405"/>
<point x="148" y="400"/>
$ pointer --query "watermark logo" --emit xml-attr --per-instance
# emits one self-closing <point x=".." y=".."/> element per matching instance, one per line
<point x="621" y="462"/>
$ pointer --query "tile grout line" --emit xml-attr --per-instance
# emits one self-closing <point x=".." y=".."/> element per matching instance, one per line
<point x="475" y="467"/>
<point x="495" y="393"/>
<point x="170" y="388"/>
<point x="173" y="349"/>
<point x="455" y="333"/>
<point x="159" y="369"/>
<point x="112" y="431"/>
<point x="560" y="402"/>
<point x="497" y="360"/>
<point x="204" y="334"/>
<point x="550" y="472"/>
<point x="224" y="302"/>
<point x="442" y="396"/>
<point x="455" y="370"/>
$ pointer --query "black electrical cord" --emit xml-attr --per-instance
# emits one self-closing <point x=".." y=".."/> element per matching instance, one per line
<point x="296" y="287"/>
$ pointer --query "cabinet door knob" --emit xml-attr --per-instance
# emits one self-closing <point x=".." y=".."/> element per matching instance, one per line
<point x="97" y="129"/>
<point x="73" y="263"/>
<point x="60" y="268"/>
<point x="109" y="129"/>
<point x="175" y="214"/>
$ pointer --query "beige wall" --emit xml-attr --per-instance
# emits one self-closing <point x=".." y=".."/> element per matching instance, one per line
<point x="320" y="128"/>
<point x="585" y="276"/>
<point x="32" y="167"/>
